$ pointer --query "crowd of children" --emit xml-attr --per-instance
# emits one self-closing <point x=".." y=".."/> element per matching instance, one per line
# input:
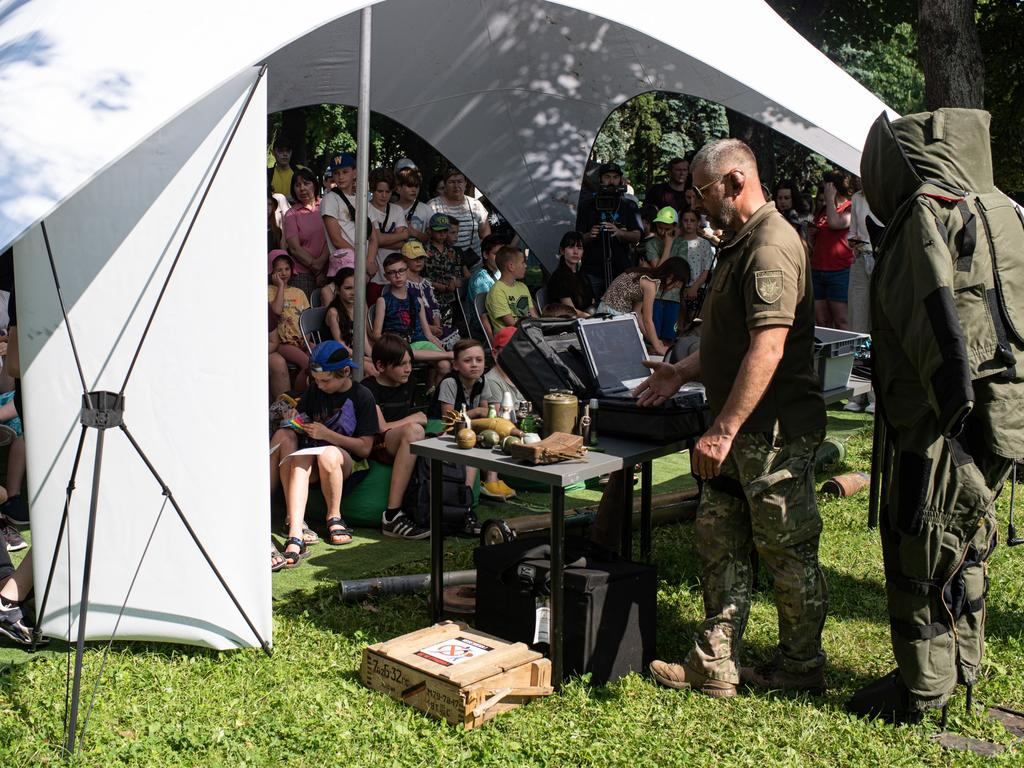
<point x="442" y="293"/>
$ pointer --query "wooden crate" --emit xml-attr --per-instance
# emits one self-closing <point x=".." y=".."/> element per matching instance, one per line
<point x="455" y="673"/>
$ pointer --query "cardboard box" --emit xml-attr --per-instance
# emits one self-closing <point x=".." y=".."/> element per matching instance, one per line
<point x="456" y="674"/>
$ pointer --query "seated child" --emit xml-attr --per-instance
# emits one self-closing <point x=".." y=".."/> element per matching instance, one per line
<point x="467" y="256"/>
<point x="339" y="415"/>
<point x="340" y="317"/>
<point x="444" y="267"/>
<point x="287" y="303"/>
<point x="464" y="387"/>
<point x="13" y="508"/>
<point x="509" y="299"/>
<point x="482" y="278"/>
<point x="415" y="260"/>
<point x="400" y="310"/>
<point x="393" y="390"/>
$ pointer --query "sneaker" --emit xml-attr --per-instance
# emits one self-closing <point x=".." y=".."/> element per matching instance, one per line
<point x="12" y="623"/>
<point x="496" y="490"/>
<point x="401" y="526"/>
<point x="853" y="406"/>
<point x="15" y="510"/>
<point x="682" y="677"/>
<point x="508" y="490"/>
<point x="870" y="408"/>
<point x="12" y="538"/>
<point x="772" y="678"/>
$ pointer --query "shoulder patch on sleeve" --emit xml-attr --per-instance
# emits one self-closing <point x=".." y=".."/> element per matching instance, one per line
<point x="768" y="283"/>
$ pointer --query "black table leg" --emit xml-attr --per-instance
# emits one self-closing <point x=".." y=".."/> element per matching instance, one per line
<point x="436" y="543"/>
<point x="645" y="512"/>
<point x="557" y="616"/>
<point x="626" y="549"/>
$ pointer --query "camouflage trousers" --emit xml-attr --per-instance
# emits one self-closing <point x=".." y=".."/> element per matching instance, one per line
<point x="938" y="530"/>
<point x="764" y="498"/>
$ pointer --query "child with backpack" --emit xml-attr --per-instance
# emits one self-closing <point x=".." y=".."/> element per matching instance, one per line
<point x="464" y="387"/>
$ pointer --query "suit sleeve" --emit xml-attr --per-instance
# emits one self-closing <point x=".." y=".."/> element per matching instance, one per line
<point x="918" y="302"/>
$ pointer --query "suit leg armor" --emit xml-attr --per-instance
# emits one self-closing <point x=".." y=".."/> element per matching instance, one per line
<point x="938" y="531"/>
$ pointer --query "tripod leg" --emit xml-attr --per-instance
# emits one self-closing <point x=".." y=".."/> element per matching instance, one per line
<point x="199" y="545"/>
<point x="41" y="611"/>
<point x="84" y="605"/>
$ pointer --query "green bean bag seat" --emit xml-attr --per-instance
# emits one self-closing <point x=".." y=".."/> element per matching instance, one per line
<point x="362" y="508"/>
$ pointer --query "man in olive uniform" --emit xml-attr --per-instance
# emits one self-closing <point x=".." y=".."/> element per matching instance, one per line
<point x="757" y="458"/>
<point x="947" y="316"/>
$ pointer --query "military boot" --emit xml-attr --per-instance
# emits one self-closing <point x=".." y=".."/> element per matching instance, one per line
<point x="773" y="678"/>
<point x="683" y="677"/>
<point x="887" y="698"/>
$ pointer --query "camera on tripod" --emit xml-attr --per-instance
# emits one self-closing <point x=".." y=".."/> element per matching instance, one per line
<point x="607" y="197"/>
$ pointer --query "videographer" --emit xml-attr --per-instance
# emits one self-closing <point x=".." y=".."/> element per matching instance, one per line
<point x="610" y="227"/>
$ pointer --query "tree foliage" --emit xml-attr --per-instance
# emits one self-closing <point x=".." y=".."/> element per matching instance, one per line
<point x="649" y="130"/>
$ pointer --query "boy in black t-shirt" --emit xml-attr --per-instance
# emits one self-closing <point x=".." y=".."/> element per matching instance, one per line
<point x="338" y="416"/>
<point x="393" y="390"/>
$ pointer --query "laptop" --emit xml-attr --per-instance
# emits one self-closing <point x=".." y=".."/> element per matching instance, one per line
<point x="615" y="352"/>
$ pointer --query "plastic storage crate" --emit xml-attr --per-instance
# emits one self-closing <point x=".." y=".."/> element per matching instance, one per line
<point x="834" y="355"/>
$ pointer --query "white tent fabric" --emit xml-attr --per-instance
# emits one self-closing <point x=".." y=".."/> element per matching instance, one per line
<point x="513" y="91"/>
<point x="111" y="117"/>
<point x="194" y="398"/>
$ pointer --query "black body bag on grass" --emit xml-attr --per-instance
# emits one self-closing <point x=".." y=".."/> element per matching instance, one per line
<point x="456" y="497"/>
<point x="544" y="355"/>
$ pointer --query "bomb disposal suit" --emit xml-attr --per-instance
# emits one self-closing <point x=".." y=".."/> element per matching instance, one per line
<point x="947" y="311"/>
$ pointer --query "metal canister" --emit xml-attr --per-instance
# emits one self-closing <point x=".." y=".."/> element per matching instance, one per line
<point x="560" y="412"/>
<point x="830" y="455"/>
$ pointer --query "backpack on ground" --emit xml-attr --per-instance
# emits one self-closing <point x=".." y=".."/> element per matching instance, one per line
<point x="457" y="498"/>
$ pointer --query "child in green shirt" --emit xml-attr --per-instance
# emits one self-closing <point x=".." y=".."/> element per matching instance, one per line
<point x="509" y="300"/>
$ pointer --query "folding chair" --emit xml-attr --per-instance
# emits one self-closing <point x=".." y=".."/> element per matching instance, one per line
<point x="480" y="306"/>
<point x="312" y="328"/>
<point x="540" y="299"/>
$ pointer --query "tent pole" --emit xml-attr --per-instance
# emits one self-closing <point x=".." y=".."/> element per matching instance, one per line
<point x="362" y="174"/>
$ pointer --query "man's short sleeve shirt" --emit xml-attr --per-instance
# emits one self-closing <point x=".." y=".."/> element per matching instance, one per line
<point x="763" y="279"/>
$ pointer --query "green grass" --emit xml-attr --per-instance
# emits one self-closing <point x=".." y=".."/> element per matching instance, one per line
<point x="177" y="706"/>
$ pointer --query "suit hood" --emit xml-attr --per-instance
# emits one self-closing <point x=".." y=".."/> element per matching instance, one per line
<point x="948" y="149"/>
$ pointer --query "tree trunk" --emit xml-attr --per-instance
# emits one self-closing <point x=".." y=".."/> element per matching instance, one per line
<point x="758" y="137"/>
<point x="950" y="54"/>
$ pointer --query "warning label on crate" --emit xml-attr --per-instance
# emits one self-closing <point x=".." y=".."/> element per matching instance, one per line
<point x="448" y="653"/>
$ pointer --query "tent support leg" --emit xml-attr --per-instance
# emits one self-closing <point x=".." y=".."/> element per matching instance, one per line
<point x="83" y="608"/>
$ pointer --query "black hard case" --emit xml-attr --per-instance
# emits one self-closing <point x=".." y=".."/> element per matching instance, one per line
<point x="610" y="604"/>
<point x="546" y="354"/>
<point x="683" y="416"/>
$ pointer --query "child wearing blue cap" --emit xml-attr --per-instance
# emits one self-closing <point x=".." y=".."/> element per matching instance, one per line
<point x="338" y="416"/>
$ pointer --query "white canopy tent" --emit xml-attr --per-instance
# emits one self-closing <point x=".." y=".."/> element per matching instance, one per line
<point x="113" y="118"/>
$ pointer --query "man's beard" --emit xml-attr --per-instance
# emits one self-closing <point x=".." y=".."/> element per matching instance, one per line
<point x="726" y="216"/>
